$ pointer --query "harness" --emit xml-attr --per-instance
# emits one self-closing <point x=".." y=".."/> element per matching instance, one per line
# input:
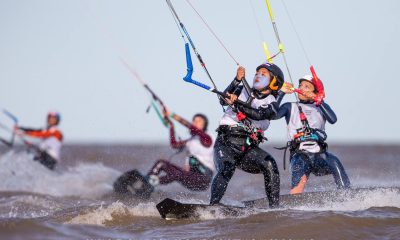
<point x="199" y="167"/>
<point x="305" y="137"/>
<point x="252" y="136"/>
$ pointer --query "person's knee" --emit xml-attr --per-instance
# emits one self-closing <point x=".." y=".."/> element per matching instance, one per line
<point x="158" y="166"/>
<point x="161" y="161"/>
<point x="334" y="164"/>
<point x="298" y="169"/>
<point x="223" y="176"/>
<point x="297" y="163"/>
<point x="332" y="159"/>
<point x="269" y="165"/>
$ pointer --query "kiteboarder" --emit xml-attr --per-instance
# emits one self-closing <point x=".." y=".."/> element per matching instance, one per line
<point x="198" y="169"/>
<point x="48" y="151"/>
<point x="306" y="132"/>
<point x="241" y="131"/>
<point x="197" y="172"/>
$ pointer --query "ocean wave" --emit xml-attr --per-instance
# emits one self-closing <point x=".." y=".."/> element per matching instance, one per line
<point x="18" y="172"/>
<point x="114" y="214"/>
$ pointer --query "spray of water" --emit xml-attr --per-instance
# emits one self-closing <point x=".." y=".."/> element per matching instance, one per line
<point x="18" y="172"/>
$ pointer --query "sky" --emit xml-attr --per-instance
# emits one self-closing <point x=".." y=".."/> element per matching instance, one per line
<point x="65" y="56"/>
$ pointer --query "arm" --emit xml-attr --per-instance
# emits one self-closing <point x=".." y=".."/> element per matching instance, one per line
<point x="284" y="111"/>
<point x="175" y="144"/>
<point x="287" y="88"/>
<point x="25" y="129"/>
<point x="181" y="120"/>
<point x="205" y="139"/>
<point x="328" y="113"/>
<point x="286" y="108"/>
<point x="264" y="112"/>
<point x="45" y="133"/>
<point x="232" y="88"/>
<point x="280" y="97"/>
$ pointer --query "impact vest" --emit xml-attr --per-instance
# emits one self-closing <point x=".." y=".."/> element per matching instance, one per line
<point x="313" y="114"/>
<point x="230" y="118"/>
<point x="202" y="153"/>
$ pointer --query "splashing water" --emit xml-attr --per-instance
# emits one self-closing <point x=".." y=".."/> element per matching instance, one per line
<point x="18" y="172"/>
<point x="114" y="213"/>
<point x="348" y="201"/>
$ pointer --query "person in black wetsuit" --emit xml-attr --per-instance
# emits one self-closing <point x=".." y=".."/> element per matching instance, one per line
<point x="241" y="131"/>
<point x="306" y="125"/>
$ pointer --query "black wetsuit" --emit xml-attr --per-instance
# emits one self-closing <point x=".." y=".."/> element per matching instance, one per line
<point x="234" y="148"/>
<point x="320" y="163"/>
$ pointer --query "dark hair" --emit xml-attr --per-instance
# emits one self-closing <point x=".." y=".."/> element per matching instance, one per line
<point x="200" y="115"/>
<point x="55" y="115"/>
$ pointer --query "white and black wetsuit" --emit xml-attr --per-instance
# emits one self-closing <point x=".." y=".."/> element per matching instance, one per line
<point x="309" y="155"/>
<point x="234" y="148"/>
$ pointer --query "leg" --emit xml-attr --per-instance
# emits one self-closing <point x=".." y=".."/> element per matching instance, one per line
<point x="337" y="170"/>
<point x="196" y="181"/>
<point x="45" y="159"/>
<point x="225" y="166"/>
<point x="299" y="188"/>
<point x="266" y="163"/>
<point x="300" y="172"/>
<point x="157" y="167"/>
<point x="172" y="172"/>
<point x="199" y="176"/>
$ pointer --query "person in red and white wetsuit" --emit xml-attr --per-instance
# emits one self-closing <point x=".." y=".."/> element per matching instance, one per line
<point x="197" y="172"/>
<point x="48" y="151"/>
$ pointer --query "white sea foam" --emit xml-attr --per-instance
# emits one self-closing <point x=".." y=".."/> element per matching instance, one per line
<point x="102" y="215"/>
<point x="28" y="206"/>
<point x="343" y="201"/>
<point x="362" y="200"/>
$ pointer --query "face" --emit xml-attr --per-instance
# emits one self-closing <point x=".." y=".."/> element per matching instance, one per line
<point x="264" y="72"/>
<point x="306" y="87"/>
<point x="52" y="121"/>
<point x="199" y="123"/>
